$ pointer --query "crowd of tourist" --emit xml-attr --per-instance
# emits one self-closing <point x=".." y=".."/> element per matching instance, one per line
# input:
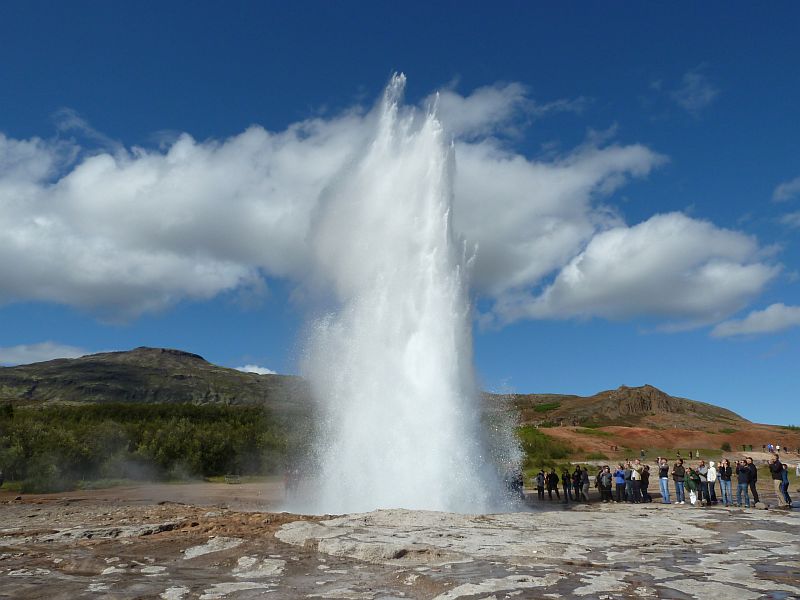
<point x="696" y="484"/>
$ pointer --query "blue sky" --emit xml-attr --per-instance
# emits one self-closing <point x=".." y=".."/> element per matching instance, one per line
<point x="647" y="157"/>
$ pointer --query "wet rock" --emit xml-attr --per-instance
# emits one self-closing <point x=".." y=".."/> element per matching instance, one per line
<point x="215" y="544"/>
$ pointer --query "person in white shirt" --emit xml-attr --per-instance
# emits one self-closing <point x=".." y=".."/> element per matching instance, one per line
<point x="712" y="481"/>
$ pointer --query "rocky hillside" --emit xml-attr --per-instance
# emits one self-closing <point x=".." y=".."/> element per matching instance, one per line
<point x="626" y="406"/>
<point x="147" y="375"/>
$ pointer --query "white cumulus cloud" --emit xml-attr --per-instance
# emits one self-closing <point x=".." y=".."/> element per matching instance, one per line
<point x="670" y="266"/>
<point x="125" y="231"/>
<point x="24" y="354"/>
<point x="774" y="318"/>
<point x="256" y="369"/>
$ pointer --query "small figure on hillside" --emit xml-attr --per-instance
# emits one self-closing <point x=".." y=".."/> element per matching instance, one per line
<point x="566" y="483"/>
<point x="641" y="453"/>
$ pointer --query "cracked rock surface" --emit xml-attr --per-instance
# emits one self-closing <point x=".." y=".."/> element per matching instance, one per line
<point x="109" y="547"/>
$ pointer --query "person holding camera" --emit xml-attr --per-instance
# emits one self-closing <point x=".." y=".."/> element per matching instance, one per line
<point x="743" y="482"/>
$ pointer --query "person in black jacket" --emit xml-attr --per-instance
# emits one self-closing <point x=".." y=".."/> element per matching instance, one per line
<point x="725" y="473"/>
<point x="552" y="484"/>
<point x="678" y="474"/>
<point x="743" y="481"/>
<point x="753" y="479"/>
<point x="646" y="482"/>
<point x="776" y="470"/>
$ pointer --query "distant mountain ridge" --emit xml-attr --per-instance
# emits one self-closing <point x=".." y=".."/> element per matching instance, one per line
<point x="152" y="375"/>
<point x="146" y="375"/>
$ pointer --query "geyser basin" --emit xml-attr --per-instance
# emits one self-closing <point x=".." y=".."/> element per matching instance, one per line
<point x="401" y="422"/>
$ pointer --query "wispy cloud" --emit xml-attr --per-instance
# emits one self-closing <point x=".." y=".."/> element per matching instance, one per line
<point x="30" y="353"/>
<point x="788" y="190"/>
<point x="791" y="219"/>
<point x="696" y="91"/>
<point x="256" y="369"/>
<point x="774" y="318"/>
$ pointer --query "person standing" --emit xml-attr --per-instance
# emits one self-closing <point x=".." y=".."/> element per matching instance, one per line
<point x="619" y="482"/>
<point x="552" y="484"/>
<point x="628" y="482"/>
<point x="693" y="485"/>
<point x="702" y="489"/>
<point x="636" y="481"/>
<point x="785" y="483"/>
<point x="663" y="479"/>
<point x="725" y="473"/>
<point x="776" y="470"/>
<point x="753" y="478"/>
<point x="742" y="482"/>
<point x="712" y="481"/>
<point x="540" y="485"/>
<point x="585" y="483"/>
<point x="577" y="487"/>
<point x="605" y="484"/>
<point x="678" y="475"/>
<point x="646" y="497"/>
<point x="566" y="483"/>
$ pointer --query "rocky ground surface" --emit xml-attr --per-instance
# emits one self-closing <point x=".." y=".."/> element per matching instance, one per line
<point x="129" y="544"/>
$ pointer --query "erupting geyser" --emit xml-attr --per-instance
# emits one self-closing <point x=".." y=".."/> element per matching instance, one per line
<point x="400" y="421"/>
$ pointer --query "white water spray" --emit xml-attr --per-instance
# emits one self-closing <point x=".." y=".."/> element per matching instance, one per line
<point x="400" y="415"/>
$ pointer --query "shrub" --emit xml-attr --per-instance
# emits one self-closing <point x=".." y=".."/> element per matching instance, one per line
<point x="546" y="407"/>
<point x="595" y="432"/>
<point x="726" y="447"/>
<point x="596" y="456"/>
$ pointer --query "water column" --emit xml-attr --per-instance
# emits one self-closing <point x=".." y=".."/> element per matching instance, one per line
<point x="391" y="368"/>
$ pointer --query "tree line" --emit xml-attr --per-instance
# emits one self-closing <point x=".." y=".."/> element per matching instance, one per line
<point x="54" y="448"/>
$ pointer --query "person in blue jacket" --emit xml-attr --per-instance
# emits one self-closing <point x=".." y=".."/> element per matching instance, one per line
<point x="619" y="481"/>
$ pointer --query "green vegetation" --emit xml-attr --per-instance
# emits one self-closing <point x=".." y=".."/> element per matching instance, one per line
<point x="726" y="447"/>
<point x="596" y="456"/>
<point x="62" y="447"/>
<point x="791" y="427"/>
<point x="728" y="430"/>
<point x="595" y="432"/>
<point x="546" y="407"/>
<point x="540" y="449"/>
